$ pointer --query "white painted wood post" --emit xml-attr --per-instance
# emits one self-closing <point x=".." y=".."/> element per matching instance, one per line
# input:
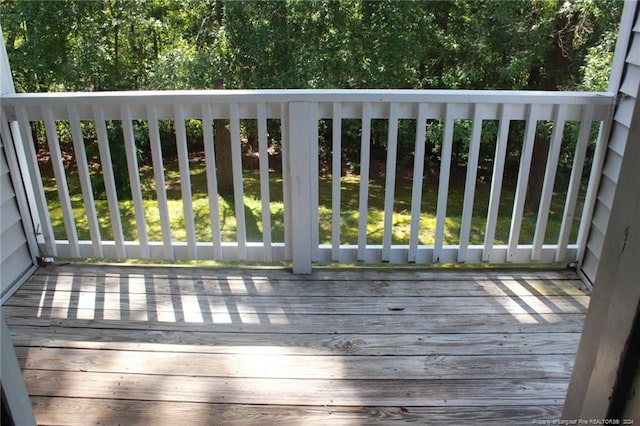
<point x="443" y="183"/>
<point x="109" y="180"/>
<point x="470" y="183"/>
<point x="264" y="181"/>
<point x="212" y="180"/>
<point x="134" y="180"/>
<point x="523" y="180"/>
<point x="416" y="190"/>
<point x="299" y="164"/>
<point x="336" y="181"/>
<point x="574" y="183"/>
<point x="85" y="181"/>
<point x="158" y="174"/>
<point x="12" y="382"/>
<point x="61" y="180"/>
<point x="363" y="197"/>
<point x="560" y="120"/>
<point x="286" y="179"/>
<point x="314" y="172"/>
<point x="496" y="183"/>
<point x="185" y="180"/>
<point x="390" y="181"/>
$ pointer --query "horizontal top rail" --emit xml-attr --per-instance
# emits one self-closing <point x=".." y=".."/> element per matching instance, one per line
<point x="352" y="100"/>
<point x="313" y="95"/>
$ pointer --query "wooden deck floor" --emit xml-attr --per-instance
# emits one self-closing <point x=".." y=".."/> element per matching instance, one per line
<point x="159" y="345"/>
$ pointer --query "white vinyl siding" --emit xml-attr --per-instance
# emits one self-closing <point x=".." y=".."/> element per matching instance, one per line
<point x="619" y="138"/>
<point x="15" y="258"/>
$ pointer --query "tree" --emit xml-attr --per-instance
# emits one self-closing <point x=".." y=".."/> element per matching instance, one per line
<point x="576" y="28"/>
<point x="189" y="44"/>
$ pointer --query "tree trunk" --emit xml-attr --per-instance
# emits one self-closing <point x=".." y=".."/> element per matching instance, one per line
<point x="116" y="43"/>
<point x="555" y="64"/>
<point x="536" y="173"/>
<point x="223" y="157"/>
<point x="224" y="165"/>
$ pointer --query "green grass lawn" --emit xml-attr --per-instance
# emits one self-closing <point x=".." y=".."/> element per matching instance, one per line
<point x="349" y="210"/>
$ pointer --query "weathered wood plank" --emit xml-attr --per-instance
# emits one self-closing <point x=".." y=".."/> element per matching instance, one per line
<point x="52" y="301"/>
<point x="235" y="285"/>
<point x="319" y="273"/>
<point x="284" y="366"/>
<point x="51" y="410"/>
<point x="298" y="344"/>
<point x="315" y="392"/>
<point x="253" y="345"/>
<point x="291" y="323"/>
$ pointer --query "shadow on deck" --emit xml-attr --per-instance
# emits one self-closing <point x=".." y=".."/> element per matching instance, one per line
<point x="160" y="345"/>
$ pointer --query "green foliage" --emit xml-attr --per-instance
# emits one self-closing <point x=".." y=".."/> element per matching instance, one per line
<point x="118" y="158"/>
<point x="189" y="44"/>
<point x="169" y="44"/>
<point x="597" y="64"/>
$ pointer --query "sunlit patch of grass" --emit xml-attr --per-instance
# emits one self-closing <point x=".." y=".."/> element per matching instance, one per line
<point x="349" y="214"/>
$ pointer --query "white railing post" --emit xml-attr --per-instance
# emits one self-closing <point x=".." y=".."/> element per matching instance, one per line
<point x="15" y="393"/>
<point x="299" y="164"/>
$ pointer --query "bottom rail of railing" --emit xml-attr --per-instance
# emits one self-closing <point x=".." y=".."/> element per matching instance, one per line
<point x="277" y="252"/>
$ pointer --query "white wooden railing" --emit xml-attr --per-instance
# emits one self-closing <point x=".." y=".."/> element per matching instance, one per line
<point x="299" y="112"/>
